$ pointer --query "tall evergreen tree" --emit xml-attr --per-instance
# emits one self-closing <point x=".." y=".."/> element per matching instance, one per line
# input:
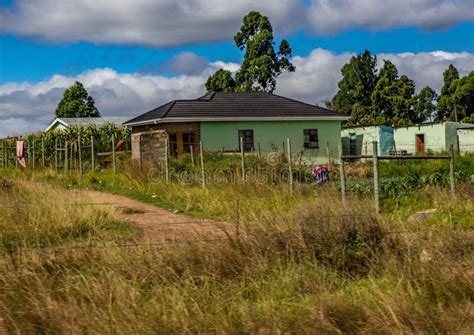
<point x="424" y="105"/>
<point x="446" y="107"/>
<point x="463" y="98"/>
<point x="359" y="77"/>
<point x="261" y="64"/>
<point x="221" y="81"/>
<point x="392" y="98"/>
<point x="76" y="102"/>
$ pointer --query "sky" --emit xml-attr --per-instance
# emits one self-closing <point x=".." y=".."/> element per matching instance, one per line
<point x="134" y="55"/>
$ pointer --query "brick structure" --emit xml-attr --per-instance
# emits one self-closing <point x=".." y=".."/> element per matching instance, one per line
<point x="149" y="145"/>
<point x="182" y="135"/>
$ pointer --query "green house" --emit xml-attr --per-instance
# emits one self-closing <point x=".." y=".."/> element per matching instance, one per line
<point x="428" y="137"/>
<point x="264" y="121"/>
<point x="62" y="123"/>
<point x="359" y="140"/>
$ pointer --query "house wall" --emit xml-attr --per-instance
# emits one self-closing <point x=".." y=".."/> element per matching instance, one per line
<point x="272" y="135"/>
<point x="466" y="141"/>
<point x="149" y="145"/>
<point x="435" y="137"/>
<point x="177" y="128"/>
<point x="364" y="137"/>
<point x="386" y="141"/>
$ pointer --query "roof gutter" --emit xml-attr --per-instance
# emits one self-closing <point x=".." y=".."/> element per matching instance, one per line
<point x="215" y="119"/>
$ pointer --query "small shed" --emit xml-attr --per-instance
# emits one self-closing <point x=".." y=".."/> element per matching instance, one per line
<point x="428" y="137"/>
<point x="466" y="140"/>
<point x="61" y="123"/>
<point x="359" y="140"/>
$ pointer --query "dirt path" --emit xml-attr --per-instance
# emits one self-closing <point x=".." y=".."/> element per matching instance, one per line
<point x="157" y="224"/>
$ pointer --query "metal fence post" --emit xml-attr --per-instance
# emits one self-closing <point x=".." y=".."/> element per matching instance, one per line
<point x="452" y="179"/>
<point x="342" y="174"/>
<point x="376" y="177"/>
<point x="242" y="158"/>
<point x="203" y="172"/>
<point x="290" y="167"/>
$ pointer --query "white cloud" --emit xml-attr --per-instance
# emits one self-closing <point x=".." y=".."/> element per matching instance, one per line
<point x="26" y="107"/>
<point x="166" y="23"/>
<point x="162" y="23"/>
<point x="329" y="17"/>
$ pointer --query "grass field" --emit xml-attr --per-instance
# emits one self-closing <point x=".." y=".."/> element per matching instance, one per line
<point x="300" y="263"/>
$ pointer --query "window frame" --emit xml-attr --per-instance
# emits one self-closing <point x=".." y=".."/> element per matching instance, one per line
<point x="248" y="146"/>
<point x="310" y="144"/>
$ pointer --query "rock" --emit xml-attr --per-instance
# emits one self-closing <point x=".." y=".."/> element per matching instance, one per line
<point x="419" y="217"/>
<point x="425" y="256"/>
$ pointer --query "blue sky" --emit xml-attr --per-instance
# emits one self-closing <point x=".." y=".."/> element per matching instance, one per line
<point x="134" y="55"/>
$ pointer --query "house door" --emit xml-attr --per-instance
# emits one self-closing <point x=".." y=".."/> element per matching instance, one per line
<point x="420" y="143"/>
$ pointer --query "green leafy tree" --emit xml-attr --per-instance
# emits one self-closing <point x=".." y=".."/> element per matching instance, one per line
<point x="424" y="104"/>
<point x="463" y="98"/>
<point x="445" y="106"/>
<point x="261" y="64"/>
<point x="76" y="102"/>
<point x="221" y="81"/>
<point x="359" y="77"/>
<point x="392" y="97"/>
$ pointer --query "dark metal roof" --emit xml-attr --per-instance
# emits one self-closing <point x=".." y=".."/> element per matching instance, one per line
<point x="234" y="105"/>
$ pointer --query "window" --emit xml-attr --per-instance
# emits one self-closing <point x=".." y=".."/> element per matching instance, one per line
<point x="173" y="145"/>
<point x="247" y="135"/>
<point x="188" y="141"/>
<point x="311" y="138"/>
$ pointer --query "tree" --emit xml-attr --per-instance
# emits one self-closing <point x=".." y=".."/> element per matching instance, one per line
<point x="261" y="64"/>
<point x="392" y="98"/>
<point x="358" y="81"/>
<point x="424" y="104"/>
<point x="445" y="107"/>
<point x="221" y="81"/>
<point x="76" y="102"/>
<point x="463" y="98"/>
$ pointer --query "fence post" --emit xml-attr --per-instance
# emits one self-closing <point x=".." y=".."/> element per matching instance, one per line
<point x="42" y="152"/>
<point x="3" y="154"/>
<point x="28" y="152"/>
<point x="34" y="154"/>
<point x="290" y="167"/>
<point x="191" y="151"/>
<point x="92" y="154"/>
<point x="452" y="179"/>
<point x="79" y="152"/>
<point x="167" y="173"/>
<point x="376" y="177"/>
<point x="242" y="158"/>
<point x="328" y="153"/>
<point x="342" y="174"/>
<point x="66" y="161"/>
<point x="114" y="163"/>
<point x="203" y="172"/>
<point x="259" y="150"/>
<point x="56" y="154"/>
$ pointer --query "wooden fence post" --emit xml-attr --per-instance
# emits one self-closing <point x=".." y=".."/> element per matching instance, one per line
<point x="92" y="154"/>
<point x="3" y="154"/>
<point x="203" y="172"/>
<point x="42" y="152"/>
<point x="114" y="163"/>
<point x="79" y="153"/>
<point x="452" y="179"/>
<point x="56" y="155"/>
<point x="259" y="150"/>
<point x="242" y="158"/>
<point x="328" y="153"/>
<point x="167" y="173"/>
<point x="34" y="154"/>
<point x="66" y="160"/>
<point x="342" y="174"/>
<point x="376" y="177"/>
<point x="290" y="167"/>
<point x="191" y="151"/>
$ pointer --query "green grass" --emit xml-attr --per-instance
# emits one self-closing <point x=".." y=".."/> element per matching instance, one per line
<point x="301" y="263"/>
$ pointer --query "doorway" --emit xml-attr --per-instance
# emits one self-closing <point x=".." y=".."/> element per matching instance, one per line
<point x="420" y="143"/>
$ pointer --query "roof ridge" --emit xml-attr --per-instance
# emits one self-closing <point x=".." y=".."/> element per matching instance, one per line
<point x="168" y="109"/>
<point x="301" y="102"/>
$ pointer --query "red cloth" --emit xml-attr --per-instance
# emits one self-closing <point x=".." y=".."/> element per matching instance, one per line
<point x="20" y="153"/>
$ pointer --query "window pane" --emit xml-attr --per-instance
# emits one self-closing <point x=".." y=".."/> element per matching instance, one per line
<point x="310" y="137"/>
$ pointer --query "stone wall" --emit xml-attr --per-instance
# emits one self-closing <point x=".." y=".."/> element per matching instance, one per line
<point x="149" y="145"/>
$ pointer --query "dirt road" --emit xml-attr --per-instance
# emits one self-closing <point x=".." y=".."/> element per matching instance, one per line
<point x="157" y="224"/>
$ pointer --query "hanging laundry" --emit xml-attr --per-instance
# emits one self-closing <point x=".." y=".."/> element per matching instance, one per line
<point x="321" y="174"/>
<point x="20" y="153"/>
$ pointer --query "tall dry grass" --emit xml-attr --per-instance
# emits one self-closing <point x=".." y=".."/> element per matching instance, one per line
<point x="321" y="268"/>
